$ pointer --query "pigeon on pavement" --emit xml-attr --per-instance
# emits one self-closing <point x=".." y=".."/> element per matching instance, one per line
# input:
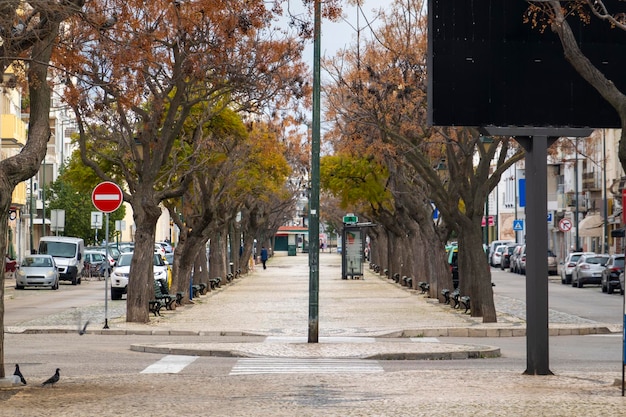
<point x="19" y="374"/>
<point x="53" y="379"/>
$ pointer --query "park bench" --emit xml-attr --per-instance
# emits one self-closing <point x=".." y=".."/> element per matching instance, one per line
<point x="465" y="301"/>
<point x="168" y="300"/>
<point x="155" y="307"/>
<point x="407" y="281"/>
<point x="215" y="282"/>
<point x="455" y="296"/>
<point x="199" y="289"/>
<point x="165" y="291"/>
<point x="446" y="295"/>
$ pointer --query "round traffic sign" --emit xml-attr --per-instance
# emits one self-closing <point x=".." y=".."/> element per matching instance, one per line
<point x="565" y="225"/>
<point x="107" y="197"/>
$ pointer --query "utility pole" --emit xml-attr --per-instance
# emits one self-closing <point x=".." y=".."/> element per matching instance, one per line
<point x="314" y="201"/>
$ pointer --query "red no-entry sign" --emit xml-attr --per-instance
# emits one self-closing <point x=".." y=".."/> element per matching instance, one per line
<point x="107" y="197"/>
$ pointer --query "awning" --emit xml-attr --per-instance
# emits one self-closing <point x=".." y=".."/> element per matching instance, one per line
<point x="591" y="226"/>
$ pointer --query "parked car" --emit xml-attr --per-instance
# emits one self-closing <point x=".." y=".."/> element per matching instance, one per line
<point x="521" y="261"/>
<point x="167" y="246"/>
<point x="553" y="266"/>
<point x="514" y="258"/>
<point x="505" y="261"/>
<point x="496" y="257"/>
<point x="120" y="274"/>
<point x="610" y="275"/>
<point x="453" y="261"/>
<point x="568" y="266"/>
<point x="37" y="271"/>
<point x="588" y="270"/>
<point x="95" y="263"/>
<point x="159" y="249"/>
<point x="621" y="282"/>
<point x="492" y="248"/>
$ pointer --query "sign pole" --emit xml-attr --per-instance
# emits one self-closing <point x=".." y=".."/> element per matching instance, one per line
<point x="107" y="197"/>
<point x="106" y="274"/>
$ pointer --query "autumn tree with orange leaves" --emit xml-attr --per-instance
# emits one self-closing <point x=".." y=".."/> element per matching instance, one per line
<point x="134" y="71"/>
<point x="378" y="102"/>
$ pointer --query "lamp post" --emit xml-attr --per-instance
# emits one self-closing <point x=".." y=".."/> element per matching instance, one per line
<point x="313" y="330"/>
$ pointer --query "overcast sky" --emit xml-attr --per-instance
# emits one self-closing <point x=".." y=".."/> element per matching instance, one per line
<point x="340" y="34"/>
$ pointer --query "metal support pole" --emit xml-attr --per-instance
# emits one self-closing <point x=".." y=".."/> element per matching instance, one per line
<point x="577" y="245"/>
<point x="106" y="273"/>
<point x="314" y="202"/>
<point x="536" y="142"/>
<point x="537" y="343"/>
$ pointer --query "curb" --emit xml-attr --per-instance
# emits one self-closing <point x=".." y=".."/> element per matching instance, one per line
<point x="517" y="331"/>
<point x="372" y="351"/>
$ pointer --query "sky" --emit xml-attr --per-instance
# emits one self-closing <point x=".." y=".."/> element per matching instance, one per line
<point x="337" y="35"/>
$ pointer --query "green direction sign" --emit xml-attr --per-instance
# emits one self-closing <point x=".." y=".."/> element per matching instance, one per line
<point x="350" y="219"/>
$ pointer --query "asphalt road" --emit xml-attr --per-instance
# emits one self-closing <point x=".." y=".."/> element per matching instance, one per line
<point x="588" y="302"/>
<point x="32" y="303"/>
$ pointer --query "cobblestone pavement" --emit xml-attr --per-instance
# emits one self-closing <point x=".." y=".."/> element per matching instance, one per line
<point x="367" y="316"/>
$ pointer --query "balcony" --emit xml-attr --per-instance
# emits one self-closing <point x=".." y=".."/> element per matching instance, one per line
<point x="592" y="181"/>
<point x="12" y="131"/>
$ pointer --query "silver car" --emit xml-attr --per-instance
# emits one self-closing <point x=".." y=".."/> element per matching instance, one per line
<point x="588" y="270"/>
<point x="37" y="271"/>
<point x="568" y="266"/>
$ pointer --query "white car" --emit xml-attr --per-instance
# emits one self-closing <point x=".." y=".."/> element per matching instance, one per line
<point x="120" y="274"/>
<point x="496" y="257"/>
<point x="159" y="249"/>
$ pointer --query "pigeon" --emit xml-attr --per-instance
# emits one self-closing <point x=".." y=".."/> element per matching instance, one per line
<point x="84" y="329"/>
<point x="53" y="379"/>
<point x="19" y="374"/>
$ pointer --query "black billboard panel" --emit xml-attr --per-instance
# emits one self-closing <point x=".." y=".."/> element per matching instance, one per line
<point x="486" y="66"/>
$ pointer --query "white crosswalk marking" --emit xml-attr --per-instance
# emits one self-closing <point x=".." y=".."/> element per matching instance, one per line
<point x="249" y="366"/>
<point x="170" y="364"/>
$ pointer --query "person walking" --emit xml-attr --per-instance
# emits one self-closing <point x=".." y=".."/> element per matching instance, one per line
<point x="264" y="256"/>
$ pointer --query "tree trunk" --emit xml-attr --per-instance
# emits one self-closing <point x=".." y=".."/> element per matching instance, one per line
<point x="184" y="258"/>
<point x="216" y="257"/>
<point x="474" y="273"/>
<point x="19" y="168"/>
<point x="200" y="268"/>
<point x="141" y="285"/>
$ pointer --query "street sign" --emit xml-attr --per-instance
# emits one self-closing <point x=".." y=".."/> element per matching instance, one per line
<point x="518" y="225"/>
<point x="107" y="197"/>
<point x="565" y="225"/>
<point x="350" y="219"/>
<point x="96" y="220"/>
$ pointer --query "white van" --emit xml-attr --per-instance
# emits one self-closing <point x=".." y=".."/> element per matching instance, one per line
<point x="67" y="253"/>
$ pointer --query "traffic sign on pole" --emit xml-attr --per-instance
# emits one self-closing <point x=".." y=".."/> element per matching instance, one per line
<point x="565" y="225"/>
<point x="107" y="197"/>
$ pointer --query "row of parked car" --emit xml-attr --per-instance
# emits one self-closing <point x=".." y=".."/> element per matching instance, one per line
<point x="512" y="255"/>
<point x="582" y="268"/>
<point x="578" y="269"/>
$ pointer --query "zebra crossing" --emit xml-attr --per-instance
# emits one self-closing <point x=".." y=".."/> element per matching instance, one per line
<point x="250" y="366"/>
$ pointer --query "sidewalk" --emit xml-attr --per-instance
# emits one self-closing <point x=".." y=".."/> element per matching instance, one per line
<point x="369" y="318"/>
